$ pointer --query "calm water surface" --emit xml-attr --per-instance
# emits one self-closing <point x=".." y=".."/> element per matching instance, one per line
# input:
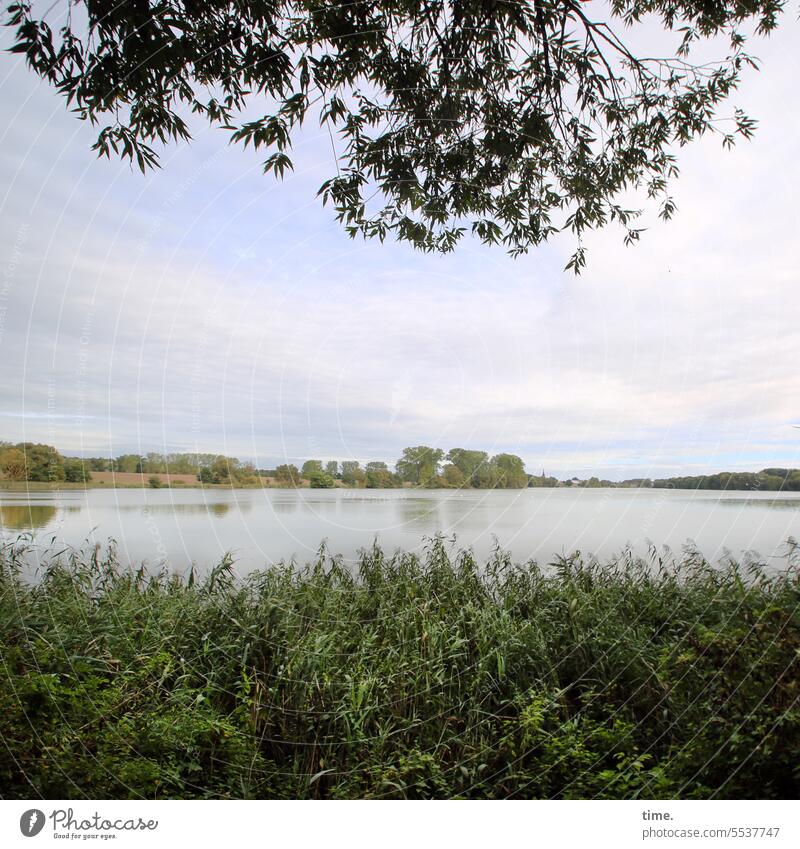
<point x="264" y="526"/>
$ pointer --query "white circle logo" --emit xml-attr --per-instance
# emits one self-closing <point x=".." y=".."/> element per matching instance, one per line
<point x="31" y="822"/>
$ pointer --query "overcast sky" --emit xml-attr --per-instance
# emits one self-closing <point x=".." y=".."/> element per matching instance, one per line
<point x="207" y="307"/>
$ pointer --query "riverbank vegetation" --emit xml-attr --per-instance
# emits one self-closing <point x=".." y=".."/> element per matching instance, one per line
<point x="769" y="480"/>
<point x="400" y="677"/>
<point x="420" y="466"/>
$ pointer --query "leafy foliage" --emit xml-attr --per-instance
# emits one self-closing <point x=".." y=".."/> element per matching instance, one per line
<point x="511" y="121"/>
<point x="403" y="677"/>
<point x="352" y="473"/>
<point x="378" y="476"/>
<point x="770" y="480"/>
<point x="31" y="461"/>
<point x="319" y="479"/>
<point x="420" y="465"/>
<point x="288" y="473"/>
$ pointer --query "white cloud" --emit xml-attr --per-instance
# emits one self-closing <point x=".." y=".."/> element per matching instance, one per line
<point x="206" y="306"/>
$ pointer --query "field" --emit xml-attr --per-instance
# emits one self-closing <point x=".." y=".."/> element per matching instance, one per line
<point x="406" y="678"/>
<point x="132" y="480"/>
<point x="136" y="479"/>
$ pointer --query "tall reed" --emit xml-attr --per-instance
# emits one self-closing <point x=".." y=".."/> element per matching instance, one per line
<point x="404" y="677"/>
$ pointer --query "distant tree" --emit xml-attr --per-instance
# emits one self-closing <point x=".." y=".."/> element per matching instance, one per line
<point x="153" y="463"/>
<point x="205" y="475"/>
<point x="202" y="461"/>
<point x="332" y="468"/>
<point x="128" y="463"/>
<point x="420" y="465"/>
<point x="378" y="476"/>
<point x="473" y="465"/>
<point x="287" y="474"/>
<point x="181" y="464"/>
<point x="76" y="470"/>
<point x="245" y="474"/>
<point x="509" y="471"/>
<point x="485" y="476"/>
<point x="352" y="473"/>
<point x="225" y="469"/>
<point x="768" y="480"/>
<point x="154" y="482"/>
<point x="453" y="477"/>
<point x="312" y="467"/>
<point x="542" y="481"/>
<point x="42" y="462"/>
<point x="12" y="464"/>
<point x="777" y="473"/>
<point x="513" y="121"/>
<point x="319" y="479"/>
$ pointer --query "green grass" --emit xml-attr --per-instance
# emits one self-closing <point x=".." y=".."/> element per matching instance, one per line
<point x="403" y="677"/>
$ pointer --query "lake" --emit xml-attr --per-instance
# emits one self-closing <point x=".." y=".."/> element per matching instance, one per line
<point x="264" y="526"/>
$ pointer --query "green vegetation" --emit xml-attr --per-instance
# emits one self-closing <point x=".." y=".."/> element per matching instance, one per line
<point x="227" y="470"/>
<point x="542" y="481"/>
<point x="510" y="121"/>
<point x="288" y="475"/>
<point x="419" y="466"/>
<point x="767" y="480"/>
<point x="320" y="480"/>
<point x="378" y="476"/>
<point x="352" y="473"/>
<point x="312" y="467"/>
<point x="30" y="461"/>
<point x="770" y="480"/>
<point x="401" y="677"/>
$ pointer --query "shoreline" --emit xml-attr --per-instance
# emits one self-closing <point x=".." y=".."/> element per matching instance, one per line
<point x="60" y="486"/>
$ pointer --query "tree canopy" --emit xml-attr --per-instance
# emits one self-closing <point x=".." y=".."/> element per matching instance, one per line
<point x="510" y="120"/>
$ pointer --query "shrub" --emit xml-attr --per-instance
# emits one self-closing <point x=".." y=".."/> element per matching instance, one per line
<point x="402" y="677"/>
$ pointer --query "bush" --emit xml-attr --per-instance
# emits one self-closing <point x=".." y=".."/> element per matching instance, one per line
<point x="76" y="471"/>
<point x="402" y="677"/>
<point x="320" y="480"/>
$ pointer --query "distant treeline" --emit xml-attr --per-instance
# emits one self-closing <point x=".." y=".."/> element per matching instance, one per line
<point x="30" y="461"/>
<point x="420" y="466"/>
<point x="769" y="480"/>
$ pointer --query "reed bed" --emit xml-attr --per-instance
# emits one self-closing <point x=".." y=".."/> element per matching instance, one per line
<point x="404" y="676"/>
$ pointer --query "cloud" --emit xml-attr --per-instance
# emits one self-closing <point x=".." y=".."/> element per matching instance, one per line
<point x="208" y="307"/>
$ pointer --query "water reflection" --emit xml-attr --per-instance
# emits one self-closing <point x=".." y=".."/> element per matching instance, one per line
<point x="417" y="512"/>
<point x="285" y="504"/>
<point x="201" y="526"/>
<point x="26" y="517"/>
<point x="772" y="503"/>
<point x="216" y="508"/>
